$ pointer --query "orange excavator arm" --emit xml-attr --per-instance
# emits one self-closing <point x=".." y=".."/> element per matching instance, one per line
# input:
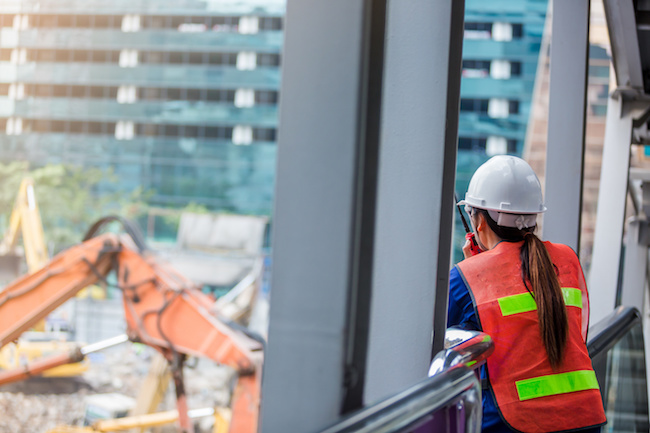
<point x="163" y="309"/>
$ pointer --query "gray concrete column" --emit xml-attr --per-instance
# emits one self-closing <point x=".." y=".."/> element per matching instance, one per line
<point x="415" y="191"/>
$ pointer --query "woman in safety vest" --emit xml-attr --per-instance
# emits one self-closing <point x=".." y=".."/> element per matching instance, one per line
<point x="531" y="298"/>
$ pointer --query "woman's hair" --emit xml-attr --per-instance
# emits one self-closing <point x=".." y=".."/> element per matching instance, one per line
<point x="538" y="270"/>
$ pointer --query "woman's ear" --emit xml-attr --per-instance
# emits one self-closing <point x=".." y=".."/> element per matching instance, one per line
<point x="481" y="222"/>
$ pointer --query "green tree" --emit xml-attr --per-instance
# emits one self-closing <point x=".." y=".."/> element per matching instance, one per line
<point x="70" y="199"/>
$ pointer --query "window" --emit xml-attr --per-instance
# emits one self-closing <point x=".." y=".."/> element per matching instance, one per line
<point x="502" y="32"/>
<point x="498" y="108"/>
<point x="131" y="23"/>
<point x="174" y="94"/>
<point x="515" y="69"/>
<point x="500" y="69"/>
<point x="62" y="56"/>
<point x="476" y="68"/>
<point x="16" y="91"/>
<point x="47" y="21"/>
<point x="264" y="59"/>
<point x="40" y="125"/>
<point x="266" y="97"/>
<point x="220" y="95"/>
<point x="264" y="134"/>
<point x="128" y="58"/>
<point x="83" y="21"/>
<point x="478" y="30"/>
<point x="196" y="58"/>
<point x="126" y="94"/>
<point x="78" y="92"/>
<point x="96" y="128"/>
<point x="6" y="20"/>
<point x="517" y="31"/>
<point x="242" y="135"/>
<point x="244" y="98"/>
<point x="513" y="107"/>
<point x="270" y="23"/>
<point x="246" y="60"/>
<point x="175" y="57"/>
<point x="81" y="56"/>
<point x="218" y="132"/>
<point x="154" y="22"/>
<point x="194" y="95"/>
<point x="248" y="25"/>
<point x="472" y="143"/>
<point x="171" y="130"/>
<point x="474" y="105"/>
<point x="190" y="131"/>
<point x="14" y="126"/>
<point x="150" y="93"/>
<point x="65" y="21"/>
<point x="60" y="91"/>
<point x="124" y="130"/>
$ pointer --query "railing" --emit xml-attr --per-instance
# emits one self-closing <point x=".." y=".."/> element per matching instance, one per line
<point x="449" y="401"/>
<point x="617" y="352"/>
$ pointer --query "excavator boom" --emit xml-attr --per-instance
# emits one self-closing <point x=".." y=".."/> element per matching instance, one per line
<point x="163" y="309"/>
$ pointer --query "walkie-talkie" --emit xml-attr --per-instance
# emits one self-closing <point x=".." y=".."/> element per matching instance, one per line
<point x="469" y="235"/>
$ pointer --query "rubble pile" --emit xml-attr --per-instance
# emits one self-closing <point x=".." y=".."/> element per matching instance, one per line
<point x="40" y="404"/>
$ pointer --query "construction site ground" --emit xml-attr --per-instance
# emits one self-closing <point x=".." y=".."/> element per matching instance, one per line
<point x="39" y="404"/>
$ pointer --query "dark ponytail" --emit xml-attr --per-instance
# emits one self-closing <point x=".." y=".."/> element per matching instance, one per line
<point x="540" y="278"/>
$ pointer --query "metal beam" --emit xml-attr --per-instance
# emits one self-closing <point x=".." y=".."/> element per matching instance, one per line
<point x="635" y="269"/>
<point x="566" y="121"/>
<point x="610" y="216"/>
<point x="415" y="191"/>
<point x="621" y="24"/>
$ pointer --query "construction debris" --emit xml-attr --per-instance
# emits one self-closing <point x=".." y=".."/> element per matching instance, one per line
<point x="40" y="404"/>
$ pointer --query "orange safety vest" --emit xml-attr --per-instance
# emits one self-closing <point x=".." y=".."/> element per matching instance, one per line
<point x="530" y="395"/>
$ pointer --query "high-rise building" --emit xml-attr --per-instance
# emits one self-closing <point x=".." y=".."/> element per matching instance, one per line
<point x="500" y="53"/>
<point x="178" y="97"/>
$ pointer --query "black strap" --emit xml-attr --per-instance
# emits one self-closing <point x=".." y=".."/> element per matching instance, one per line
<point x="485" y="384"/>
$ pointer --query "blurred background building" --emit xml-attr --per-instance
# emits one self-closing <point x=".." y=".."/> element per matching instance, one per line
<point x="500" y="55"/>
<point x="178" y="97"/>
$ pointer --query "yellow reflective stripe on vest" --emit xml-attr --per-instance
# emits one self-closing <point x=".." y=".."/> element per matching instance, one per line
<point x="555" y="384"/>
<point x="525" y="302"/>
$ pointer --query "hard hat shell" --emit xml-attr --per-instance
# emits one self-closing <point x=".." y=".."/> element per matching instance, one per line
<point x="505" y="184"/>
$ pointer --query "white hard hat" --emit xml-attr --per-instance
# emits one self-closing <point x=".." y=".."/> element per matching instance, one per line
<point x="508" y="188"/>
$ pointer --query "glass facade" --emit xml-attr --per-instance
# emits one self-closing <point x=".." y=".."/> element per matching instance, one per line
<point x="177" y="97"/>
<point x="500" y="55"/>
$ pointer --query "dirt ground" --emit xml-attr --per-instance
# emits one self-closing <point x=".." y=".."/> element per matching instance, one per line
<point x="40" y="404"/>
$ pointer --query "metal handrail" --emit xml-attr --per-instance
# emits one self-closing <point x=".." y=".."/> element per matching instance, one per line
<point x="451" y="379"/>
<point x="462" y="347"/>
<point x="402" y="410"/>
<point x="606" y="333"/>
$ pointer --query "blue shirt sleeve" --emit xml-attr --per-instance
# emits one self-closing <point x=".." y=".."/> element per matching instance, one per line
<point x="461" y="314"/>
<point x="460" y="311"/>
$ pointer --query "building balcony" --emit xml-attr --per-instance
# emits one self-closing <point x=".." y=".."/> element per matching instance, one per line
<point x="475" y="124"/>
<point x="159" y="7"/>
<point x="106" y="150"/>
<point x="194" y="77"/>
<point x="485" y="88"/>
<point x="487" y="49"/>
<point x="146" y="40"/>
<point x="150" y="112"/>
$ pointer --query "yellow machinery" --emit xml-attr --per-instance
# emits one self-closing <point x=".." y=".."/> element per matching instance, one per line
<point x="26" y="221"/>
<point x="221" y="421"/>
